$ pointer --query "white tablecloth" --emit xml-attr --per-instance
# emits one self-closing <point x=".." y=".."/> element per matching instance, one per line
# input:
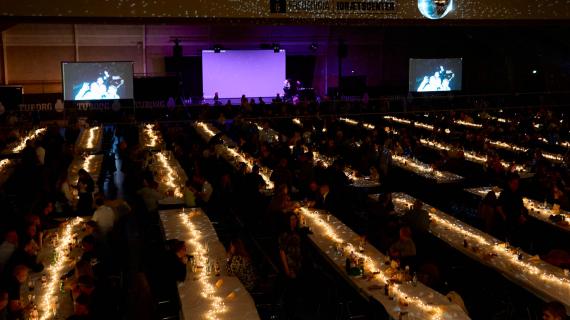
<point x="424" y="170"/>
<point x="62" y="301"/>
<point x="237" y="302"/>
<point x="86" y="138"/>
<point x="150" y="138"/>
<point x="540" y="278"/>
<point x="535" y="208"/>
<point x="423" y="302"/>
<point x="169" y="175"/>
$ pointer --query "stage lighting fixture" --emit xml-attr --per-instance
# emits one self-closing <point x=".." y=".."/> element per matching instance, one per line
<point x="276" y="48"/>
<point x="217" y="48"/>
<point x="314" y="46"/>
<point x="534" y="71"/>
<point x="177" y="49"/>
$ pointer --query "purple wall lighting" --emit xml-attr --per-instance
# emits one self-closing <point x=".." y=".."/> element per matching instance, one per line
<point x="255" y="73"/>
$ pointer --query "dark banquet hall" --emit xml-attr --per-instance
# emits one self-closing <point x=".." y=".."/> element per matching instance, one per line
<point x="285" y="160"/>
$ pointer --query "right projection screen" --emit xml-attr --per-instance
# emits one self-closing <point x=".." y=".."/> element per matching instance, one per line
<point x="435" y="75"/>
<point x="233" y="73"/>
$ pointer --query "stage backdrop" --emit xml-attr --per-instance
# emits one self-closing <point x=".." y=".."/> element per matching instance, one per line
<point x="293" y="9"/>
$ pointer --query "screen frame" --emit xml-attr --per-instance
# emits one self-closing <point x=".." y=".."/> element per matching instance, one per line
<point x="432" y="92"/>
<point x="132" y="63"/>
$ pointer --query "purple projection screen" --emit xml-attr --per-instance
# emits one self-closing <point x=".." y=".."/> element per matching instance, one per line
<point x="255" y="73"/>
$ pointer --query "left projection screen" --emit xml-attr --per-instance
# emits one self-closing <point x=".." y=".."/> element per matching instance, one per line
<point x="97" y="80"/>
<point x="233" y="73"/>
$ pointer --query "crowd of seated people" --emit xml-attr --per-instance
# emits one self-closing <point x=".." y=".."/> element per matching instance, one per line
<point x="364" y="149"/>
<point x="226" y="193"/>
<point x="43" y="202"/>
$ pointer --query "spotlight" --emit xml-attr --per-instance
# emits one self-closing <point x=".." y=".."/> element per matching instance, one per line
<point x="314" y="47"/>
<point x="534" y="71"/>
<point x="217" y="48"/>
<point x="276" y="47"/>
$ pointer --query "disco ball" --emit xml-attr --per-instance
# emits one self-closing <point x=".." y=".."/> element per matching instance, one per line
<point x="435" y="9"/>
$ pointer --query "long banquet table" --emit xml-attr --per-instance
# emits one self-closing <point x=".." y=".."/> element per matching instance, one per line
<point x="43" y="289"/>
<point x="357" y="180"/>
<point x="233" y="155"/>
<point x="424" y="170"/>
<point x="203" y="295"/>
<point x="170" y="176"/>
<point x="538" y="277"/>
<point x="150" y="137"/>
<point x="540" y="211"/>
<point x="89" y="140"/>
<point x="335" y="241"/>
<point x="472" y="156"/>
<point x="18" y="146"/>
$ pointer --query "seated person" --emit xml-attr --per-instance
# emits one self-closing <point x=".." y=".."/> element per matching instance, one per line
<point x="8" y="247"/>
<point x="82" y="268"/>
<point x="417" y="218"/>
<point x="239" y="264"/>
<point x="92" y="255"/>
<point x="290" y="248"/>
<point x="80" y="308"/>
<point x="98" y="306"/>
<point x="16" y="307"/>
<point x="189" y="194"/>
<point x="177" y="259"/>
<point x="92" y="228"/>
<point x="404" y="248"/>
<point x="554" y="311"/>
<point x="104" y="216"/>
<point x="26" y="255"/>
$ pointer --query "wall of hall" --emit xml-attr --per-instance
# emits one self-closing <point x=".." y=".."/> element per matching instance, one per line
<point x="35" y="51"/>
<point x="494" y="61"/>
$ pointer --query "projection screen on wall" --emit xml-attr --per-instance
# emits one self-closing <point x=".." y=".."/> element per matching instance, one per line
<point x="233" y="73"/>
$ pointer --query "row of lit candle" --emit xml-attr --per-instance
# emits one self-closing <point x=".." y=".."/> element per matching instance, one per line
<point x="199" y="250"/>
<point x="535" y="208"/>
<point x="150" y="136"/>
<point x="50" y="294"/>
<point x="456" y="231"/>
<point x="471" y="156"/>
<point x="272" y="133"/>
<point x="353" y="122"/>
<point x="90" y="139"/>
<point x="514" y="148"/>
<point x="33" y="135"/>
<point x="398" y="120"/>
<point x="468" y="124"/>
<point x="232" y="155"/>
<point x="173" y="177"/>
<point x="424" y="169"/>
<point x="506" y="146"/>
<point x="322" y="226"/>
<point x="242" y="157"/>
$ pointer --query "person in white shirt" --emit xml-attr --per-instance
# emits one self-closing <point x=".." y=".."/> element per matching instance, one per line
<point x="104" y="216"/>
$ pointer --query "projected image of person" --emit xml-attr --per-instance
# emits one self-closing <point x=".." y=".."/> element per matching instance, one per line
<point x="439" y="81"/>
<point x="105" y="86"/>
